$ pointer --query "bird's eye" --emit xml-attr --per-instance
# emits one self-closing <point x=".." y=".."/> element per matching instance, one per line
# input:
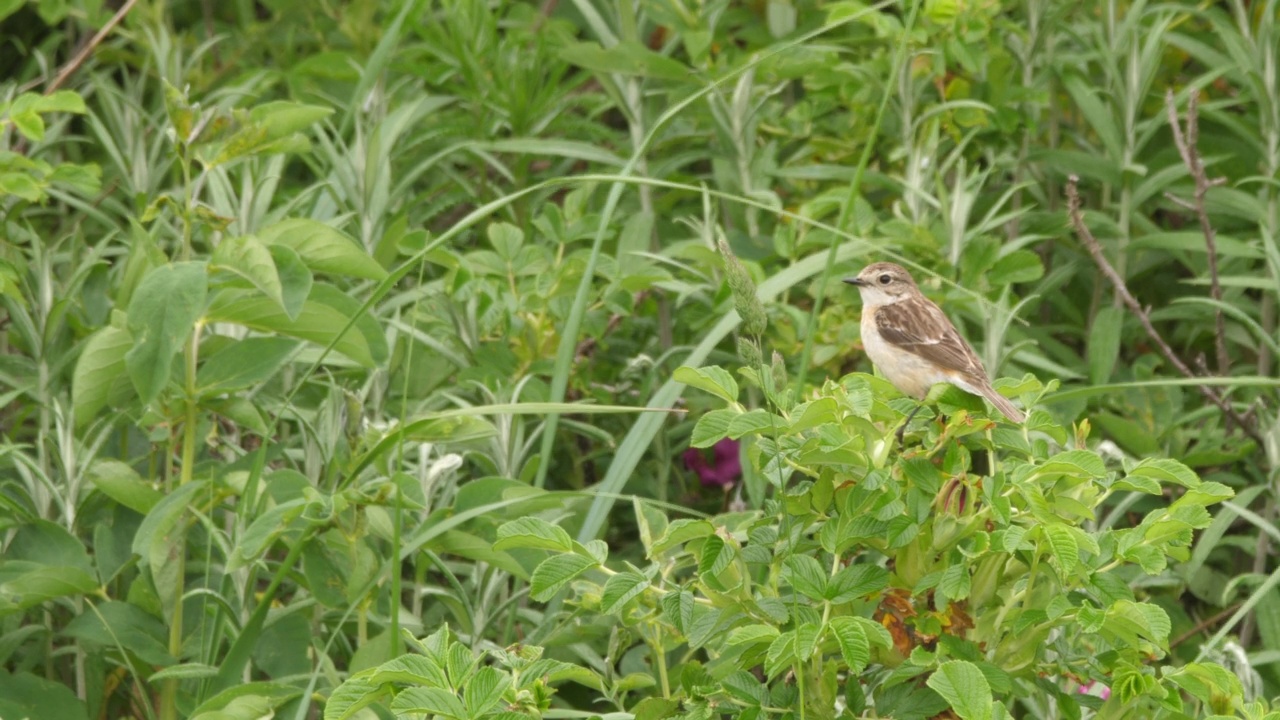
<point x="884" y="279"/>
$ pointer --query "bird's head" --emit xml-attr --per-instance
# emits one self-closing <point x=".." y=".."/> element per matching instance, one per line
<point x="883" y="283"/>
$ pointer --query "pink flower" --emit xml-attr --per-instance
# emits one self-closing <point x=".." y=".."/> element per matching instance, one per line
<point x="723" y="470"/>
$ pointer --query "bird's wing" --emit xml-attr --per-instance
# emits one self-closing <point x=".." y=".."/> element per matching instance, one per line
<point x="920" y="327"/>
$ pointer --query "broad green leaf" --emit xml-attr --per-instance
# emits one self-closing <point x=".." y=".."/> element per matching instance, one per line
<point x="965" y="689"/>
<point x="752" y="634"/>
<point x="352" y="696"/>
<point x="295" y="279"/>
<point x="626" y="58"/>
<point x="854" y="644"/>
<point x="1075" y="463"/>
<point x="1063" y="547"/>
<point x="99" y="365"/>
<point x="243" y="364"/>
<point x="715" y="556"/>
<point x="805" y="575"/>
<point x="248" y="258"/>
<point x="323" y="248"/>
<point x="484" y="690"/>
<point x="1019" y="266"/>
<point x="281" y="118"/>
<point x="712" y="427"/>
<point x="532" y="532"/>
<point x="26" y="585"/>
<point x="1165" y="470"/>
<point x="48" y="543"/>
<point x="1104" y="343"/>
<point x="781" y="653"/>
<point x="856" y="581"/>
<point x="682" y="531"/>
<point x="24" y="695"/>
<point x="713" y="379"/>
<point x="121" y="483"/>
<point x="751" y="422"/>
<point x="556" y="572"/>
<point x="621" y="589"/>
<point x="410" y="670"/>
<point x="815" y="414"/>
<point x="162" y="315"/>
<point x="116" y="625"/>
<point x="323" y="316"/>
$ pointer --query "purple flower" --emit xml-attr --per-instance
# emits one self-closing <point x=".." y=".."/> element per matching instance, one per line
<point x="724" y="468"/>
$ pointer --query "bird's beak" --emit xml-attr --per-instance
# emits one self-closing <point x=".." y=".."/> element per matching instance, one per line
<point x="856" y="281"/>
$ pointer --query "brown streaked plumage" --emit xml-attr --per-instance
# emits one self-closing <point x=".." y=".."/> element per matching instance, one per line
<point x="912" y="341"/>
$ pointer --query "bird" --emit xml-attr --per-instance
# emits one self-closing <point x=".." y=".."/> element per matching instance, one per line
<point x="914" y="344"/>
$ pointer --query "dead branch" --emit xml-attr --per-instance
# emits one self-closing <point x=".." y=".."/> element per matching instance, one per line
<point x="1095" y="251"/>
<point x="1186" y="143"/>
<point x="96" y="40"/>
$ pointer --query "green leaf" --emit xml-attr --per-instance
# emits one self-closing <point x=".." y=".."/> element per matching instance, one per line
<point x="965" y="689"/>
<point x="752" y="422"/>
<point x="556" y="572"/>
<point x="67" y="101"/>
<point x="1164" y="470"/>
<point x="854" y="644"/>
<point x="484" y="690"/>
<point x="295" y="279"/>
<point x="626" y="58"/>
<point x="712" y="427"/>
<point x="621" y="589"/>
<point x="532" y="532"/>
<point x="122" y="483"/>
<point x="352" y="696"/>
<point x="23" y="695"/>
<point x="1104" y="343"/>
<point x="1074" y="463"/>
<point x="99" y="365"/>
<point x="281" y="118"/>
<point x="1019" y="266"/>
<point x="247" y="258"/>
<point x="429" y="701"/>
<point x="805" y="575"/>
<point x="162" y="314"/>
<point x="682" y="531"/>
<point x="713" y="379"/>
<point x="323" y="248"/>
<point x="856" y="581"/>
<point x="1062" y="545"/>
<point x="323" y="316"/>
<point x="243" y="364"/>
<point x="26" y="584"/>
<point x="117" y="624"/>
<point x="753" y="634"/>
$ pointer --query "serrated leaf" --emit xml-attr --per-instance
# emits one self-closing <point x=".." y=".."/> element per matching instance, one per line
<point x="1063" y="547"/>
<point x="556" y="572"/>
<point x="484" y="690"/>
<point x="856" y="581"/>
<point x="1165" y="470"/>
<point x="712" y="427"/>
<point x="429" y="701"/>
<point x="713" y="379"/>
<point x="854" y="644"/>
<point x="752" y="634"/>
<point x="965" y="689"/>
<point x="682" y="531"/>
<point x="1075" y="463"/>
<point x="532" y="532"/>
<point x="621" y="589"/>
<point x="805" y="575"/>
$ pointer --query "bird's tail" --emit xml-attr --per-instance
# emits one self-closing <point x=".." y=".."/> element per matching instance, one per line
<point x="1002" y="404"/>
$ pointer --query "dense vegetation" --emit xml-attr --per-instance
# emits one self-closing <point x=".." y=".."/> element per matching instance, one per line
<point x="490" y="360"/>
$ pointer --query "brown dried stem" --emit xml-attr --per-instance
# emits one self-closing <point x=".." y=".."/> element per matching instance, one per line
<point x="1186" y="144"/>
<point x="1095" y="251"/>
<point x="75" y="62"/>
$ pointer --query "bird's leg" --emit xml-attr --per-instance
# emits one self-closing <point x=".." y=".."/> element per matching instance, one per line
<point x="905" y="423"/>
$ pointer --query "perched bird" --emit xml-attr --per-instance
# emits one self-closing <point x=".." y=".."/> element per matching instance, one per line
<point x="913" y="343"/>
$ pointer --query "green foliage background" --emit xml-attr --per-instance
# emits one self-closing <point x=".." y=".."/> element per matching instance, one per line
<point x="351" y="354"/>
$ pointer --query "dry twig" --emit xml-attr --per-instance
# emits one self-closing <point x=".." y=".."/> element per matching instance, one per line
<point x="75" y="62"/>
<point x="1186" y="143"/>
<point x="1095" y="251"/>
